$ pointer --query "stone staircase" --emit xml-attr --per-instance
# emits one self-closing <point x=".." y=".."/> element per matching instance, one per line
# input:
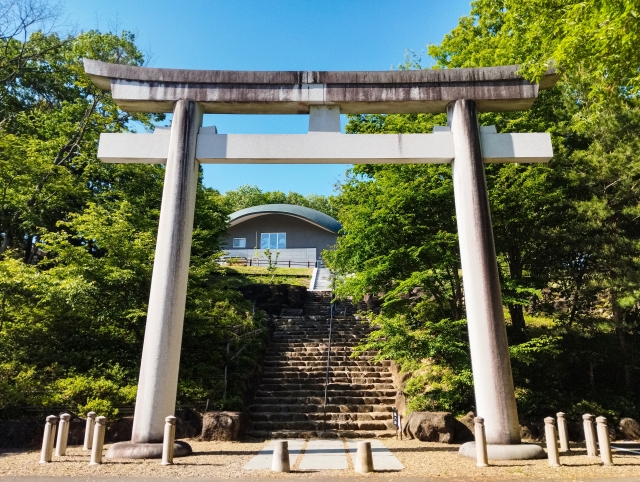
<point x="289" y="402"/>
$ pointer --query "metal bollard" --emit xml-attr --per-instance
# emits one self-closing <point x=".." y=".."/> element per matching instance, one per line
<point x="63" y="435"/>
<point x="98" y="441"/>
<point x="481" y="443"/>
<point x="603" y="441"/>
<point x="364" y="458"/>
<point x="88" y="430"/>
<point x="168" y="440"/>
<point x="280" y="462"/>
<point x="552" y="442"/>
<point x="47" y="440"/>
<point x="563" y="432"/>
<point x="590" y="435"/>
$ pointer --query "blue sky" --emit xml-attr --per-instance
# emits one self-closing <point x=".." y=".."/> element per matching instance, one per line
<point x="272" y="35"/>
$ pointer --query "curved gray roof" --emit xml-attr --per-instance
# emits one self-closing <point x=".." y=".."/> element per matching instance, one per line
<point x="321" y="220"/>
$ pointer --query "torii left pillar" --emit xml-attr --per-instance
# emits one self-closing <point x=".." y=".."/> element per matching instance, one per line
<point x="158" y="382"/>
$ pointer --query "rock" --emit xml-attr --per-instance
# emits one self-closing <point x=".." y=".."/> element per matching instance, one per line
<point x="464" y="428"/>
<point x="188" y="423"/>
<point x="400" y="378"/>
<point x="629" y="429"/>
<point x="430" y="426"/>
<point x="529" y="432"/>
<point x="468" y="421"/>
<point x="222" y="426"/>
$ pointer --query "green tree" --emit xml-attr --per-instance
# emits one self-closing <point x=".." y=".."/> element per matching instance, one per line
<point x="78" y="239"/>
<point x="247" y="196"/>
<point x="565" y="232"/>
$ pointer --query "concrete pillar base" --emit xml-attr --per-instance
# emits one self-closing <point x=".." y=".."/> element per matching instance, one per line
<point x="505" y="452"/>
<point x="130" y="450"/>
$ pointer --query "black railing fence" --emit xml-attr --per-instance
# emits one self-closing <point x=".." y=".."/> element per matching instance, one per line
<point x="286" y="263"/>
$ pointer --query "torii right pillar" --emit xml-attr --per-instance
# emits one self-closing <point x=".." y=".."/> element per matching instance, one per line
<point x="491" y="366"/>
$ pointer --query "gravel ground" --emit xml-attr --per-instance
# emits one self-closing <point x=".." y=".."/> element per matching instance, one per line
<point x="226" y="459"/>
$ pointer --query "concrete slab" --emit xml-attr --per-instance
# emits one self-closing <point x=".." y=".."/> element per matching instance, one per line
<point x="383" y="459"/>
<point x="324" y="455"/>
<point x="263" y="459"/>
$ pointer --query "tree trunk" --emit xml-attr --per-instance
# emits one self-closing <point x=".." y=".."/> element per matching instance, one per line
<point x="622" y="339"/>
<point x="7" y="240"/>
<point x="518" y="326"/>
<point x="28" y="248"/>
<point x="516" y="312"/>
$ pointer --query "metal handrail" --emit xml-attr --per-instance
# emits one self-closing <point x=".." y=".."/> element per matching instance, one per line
<point x="326" y="376"/>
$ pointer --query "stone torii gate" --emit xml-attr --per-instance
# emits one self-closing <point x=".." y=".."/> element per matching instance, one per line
<point x="189" y="94"/>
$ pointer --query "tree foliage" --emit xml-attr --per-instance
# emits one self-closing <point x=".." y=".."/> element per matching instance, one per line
<point x="247" y="196"/>
<point x="566" y="232"/>
<point x="78" y="238"/>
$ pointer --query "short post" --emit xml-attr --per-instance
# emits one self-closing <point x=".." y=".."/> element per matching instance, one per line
<point x="364" y="458"/>
<point x="47" y="440"/>
<point x="98" y="441"/>
<point x="169" y="438"/>
<point x="603" y="441"/>
<point x="563" y="432"/>
<point x="280" y="462"/>
<point x="552" y="442"/>
<point x="88" y="430"/>
<point x="590" y="435"/>
<point x="63" y="435"/>
<point x="481" y="443"/>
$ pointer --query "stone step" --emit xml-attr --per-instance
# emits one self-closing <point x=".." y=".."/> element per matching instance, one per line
<point x="310" y="385"/>
<point x="321" y="353"/>
<point x="276" y="378"/>
<point x="315" y="349"/>
<point x="317" y="397"/>
<point x="308" y="434"/>
<point x="320" y="425"/>
<point x="345" y="376"/>
<point x="320" y="416"/>
<point x="361" y="371"/>
<point x="289" y="401"/>
<point x="308" y="344"/>
<point x="314" y="358"/>
<point x="318" y="407"/>
<point x="319" y="363"/>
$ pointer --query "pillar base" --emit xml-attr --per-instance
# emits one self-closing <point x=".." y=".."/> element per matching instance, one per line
<point x="505" y="452"/>
<point x="130" y="450"/>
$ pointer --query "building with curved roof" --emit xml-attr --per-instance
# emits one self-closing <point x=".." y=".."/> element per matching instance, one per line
<point x="299" y="234"/>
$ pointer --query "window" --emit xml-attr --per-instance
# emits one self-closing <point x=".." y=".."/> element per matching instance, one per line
<point x="273" y="241"/>
<point x="239" y="242"/>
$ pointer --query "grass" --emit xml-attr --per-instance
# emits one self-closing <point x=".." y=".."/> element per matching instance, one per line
<point x="237" y="276"/>
<point x="531" y="320"/>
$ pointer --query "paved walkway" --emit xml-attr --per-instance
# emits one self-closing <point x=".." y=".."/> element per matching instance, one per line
<point x="326" y="455"/>
<point x="264" y="458"/>
<point x="383" y="459"/>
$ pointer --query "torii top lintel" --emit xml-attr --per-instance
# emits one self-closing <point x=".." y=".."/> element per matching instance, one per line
<point x="145" y="89"/>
